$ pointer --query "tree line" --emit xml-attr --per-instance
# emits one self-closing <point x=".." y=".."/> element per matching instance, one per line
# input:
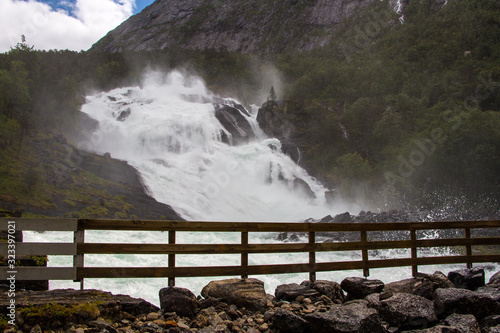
<point x="409" y="110"/>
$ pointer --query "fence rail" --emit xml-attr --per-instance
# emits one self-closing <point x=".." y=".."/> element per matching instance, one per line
<point x="79" y="248"/>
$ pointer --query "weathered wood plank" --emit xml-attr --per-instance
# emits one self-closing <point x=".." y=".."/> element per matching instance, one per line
<point x="40" y="249"/>
<point x="42" y="224"/>
<point x="120" y="248"/>
<point x="136" y="272"/>
<point x="148" y="225"/>
<point x="38" y="273"/>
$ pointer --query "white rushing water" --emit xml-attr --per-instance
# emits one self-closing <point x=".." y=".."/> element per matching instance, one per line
<point x="168" y="131"/>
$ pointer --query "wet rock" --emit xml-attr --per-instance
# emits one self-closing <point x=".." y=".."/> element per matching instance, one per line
<point x="179" y="300"/>
<point x="303" y="187"/>
<point x="289" y="292"/>
<point x="407" y="311"/>
<point x="249" y="293"/>
<point x="123" y="115"/>
<point x="351" y="317"/>
<point x="286" y="321"/>
<point x="330" y="289"/>
<point x="359" y="288"/>
<point x="467" y="278"/>
<point x="463" y="301"/>
<point x="235" y="123"/>
<point x="343" y="218"/>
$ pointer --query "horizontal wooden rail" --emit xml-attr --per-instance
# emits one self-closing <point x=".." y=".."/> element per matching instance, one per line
<point x="101" y="248"/>
<point x="310" y="245"/>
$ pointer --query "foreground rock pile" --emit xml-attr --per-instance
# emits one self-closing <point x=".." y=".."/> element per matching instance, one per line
<point x="459" y="302"/>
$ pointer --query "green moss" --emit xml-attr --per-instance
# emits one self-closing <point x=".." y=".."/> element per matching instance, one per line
<point x="48" y="314"/>
<point x="4" y="322"/>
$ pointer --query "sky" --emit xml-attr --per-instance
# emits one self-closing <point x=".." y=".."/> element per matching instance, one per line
<point x="62" y="24"/>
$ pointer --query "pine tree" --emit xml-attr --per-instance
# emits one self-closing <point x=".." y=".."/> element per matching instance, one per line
<point x="272" y="95"/>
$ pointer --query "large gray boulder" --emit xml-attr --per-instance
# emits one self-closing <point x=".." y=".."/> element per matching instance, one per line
<point x="235" y="122"/>
<point x="331" y="289"/>
<point x="467" y="278"/>
<point x="359" y="288"/>
<point x="351" y="317"/>
<point x="454" y="300"/>
<point x="407" y="311"/>
<point x="289" y="292"/>
<point x="492" y="288"/>
<point x="465" y="322"/>
<point x="287" y="321"/>
<point x="179" y="300"/>
<point x="249" y="293"/>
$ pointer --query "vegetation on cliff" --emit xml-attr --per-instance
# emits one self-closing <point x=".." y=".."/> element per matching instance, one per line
<point x="385" y="110"/>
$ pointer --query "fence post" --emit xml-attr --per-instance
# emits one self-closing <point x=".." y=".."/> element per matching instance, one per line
<point x="244" y="255"/>
<point x="468" y="248"/>
<point x="364" y="254"/>
<point x="78" y="258"/>
<point x="312" y="256"/>
<point x="171" y="258"/>
<point x="414" y="268"/>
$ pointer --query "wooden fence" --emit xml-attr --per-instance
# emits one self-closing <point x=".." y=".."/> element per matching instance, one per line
<point x="467" y="239"/>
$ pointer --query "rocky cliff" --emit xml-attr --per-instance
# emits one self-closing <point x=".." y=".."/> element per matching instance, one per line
<point x="235" y="25"/>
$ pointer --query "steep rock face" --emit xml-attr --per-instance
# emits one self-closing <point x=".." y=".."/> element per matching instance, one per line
<point x="235" y="25"/>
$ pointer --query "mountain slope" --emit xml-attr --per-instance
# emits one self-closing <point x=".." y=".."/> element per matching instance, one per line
<point x="235" y="25"/>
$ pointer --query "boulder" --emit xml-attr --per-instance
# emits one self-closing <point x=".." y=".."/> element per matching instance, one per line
<point x="423" y="285"/>
<point x="492" y="288"/>
<point x="407" y="311"/>
<point x="179" y="300"/>
<point x="438" y="279"/>
<point x="494" y="292"/>
<point x="68" y="297"/>
<point x="247" y="293"/>
<point x="289" y="292"/>
<point x="123" y="115"/>
<point x="235" y="123"/>
<point x="351" y="317"/>
<point x="408" y="286"/>
<point x="467" y="278"/>
<point x="490" y="322"/>
<point x="454" y="300"/>
<point x="343" y="218"/>
<point x="301" y="186"/>
<point x="328" y="288"/>
<point x="494" y="280"/>
<point x="287" y="321"/>
<point x="359" y="288"/>
<point x="465" y="322"/>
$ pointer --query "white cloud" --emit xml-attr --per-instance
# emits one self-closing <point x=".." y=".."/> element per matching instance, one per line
<point x="48" y="29"/>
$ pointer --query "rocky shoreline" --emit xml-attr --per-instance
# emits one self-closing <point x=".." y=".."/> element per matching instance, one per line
<point x="458" y="302"/>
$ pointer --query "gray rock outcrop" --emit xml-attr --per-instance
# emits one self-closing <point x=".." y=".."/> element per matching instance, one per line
<point x="236" y="25"/>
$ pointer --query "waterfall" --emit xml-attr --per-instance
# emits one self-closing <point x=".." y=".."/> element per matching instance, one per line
<point x="203" y="155"/>
<point x="399" y="9"/>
